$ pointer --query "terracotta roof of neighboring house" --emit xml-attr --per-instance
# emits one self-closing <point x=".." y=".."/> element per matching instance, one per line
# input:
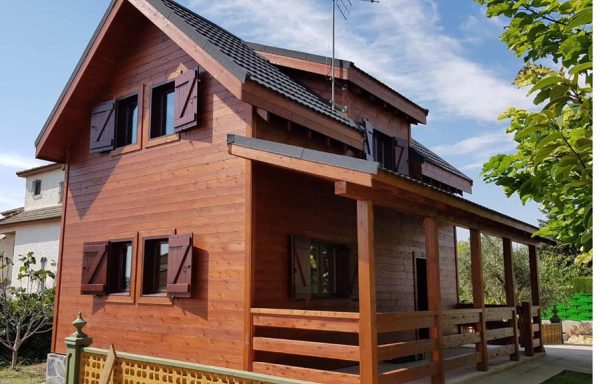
<point x="40" y="169"/>
<point x="431" y="157"/>
<point x="33" y="215"/>
<point x="10" y="212"/>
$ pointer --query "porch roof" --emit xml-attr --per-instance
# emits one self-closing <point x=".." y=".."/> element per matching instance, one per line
<point x="366" y="180"/>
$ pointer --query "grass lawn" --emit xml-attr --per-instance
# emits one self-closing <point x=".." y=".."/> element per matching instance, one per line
<point x="24" y="374"/>
<point x="570" y="377"/>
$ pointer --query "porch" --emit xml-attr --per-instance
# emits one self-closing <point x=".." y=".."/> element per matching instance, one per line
<point x="345" y="340"/>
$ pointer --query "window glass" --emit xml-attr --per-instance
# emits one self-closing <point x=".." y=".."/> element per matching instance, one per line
<point x="37" y="187"/>
<point x="328" y="270"/>
<point x="119" y="266"/>
<point x="126" y="121"/>
<point x="155" y="266"/>
<point x="384" y="150"/>
<point x="163" y="110"/>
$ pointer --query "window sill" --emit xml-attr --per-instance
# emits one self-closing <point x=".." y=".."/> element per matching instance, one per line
<point x="162" y="140"/>
<point x="126" y="149"/>
<point x="125" y="297"/>
<point x="156" y="299"/>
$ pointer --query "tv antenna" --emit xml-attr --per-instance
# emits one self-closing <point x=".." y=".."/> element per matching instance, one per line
<point x="344" y="7"/>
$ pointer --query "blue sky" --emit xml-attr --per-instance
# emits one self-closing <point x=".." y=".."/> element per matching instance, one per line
<point x="444" y="55"/>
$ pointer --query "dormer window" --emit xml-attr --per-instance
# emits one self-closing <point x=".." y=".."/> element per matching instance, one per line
<point x="36" y="187"/>
<point x="391" y="152"/>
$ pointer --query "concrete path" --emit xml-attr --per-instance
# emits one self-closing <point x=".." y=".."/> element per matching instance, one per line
<point x="533" y="370"/>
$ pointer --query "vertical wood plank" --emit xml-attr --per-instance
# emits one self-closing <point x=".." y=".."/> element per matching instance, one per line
<point x="478" y="294"/>
<point x="367" y="293"/>
<point x="510" y="298"/>
<point x="249" y="265"/>
<point x="433" y="281"/>
<point x="534" y="275"/>
<point x="65" y="192"/>
<point x="535" y="296"/>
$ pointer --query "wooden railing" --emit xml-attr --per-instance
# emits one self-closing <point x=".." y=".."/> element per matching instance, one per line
<point x="529" y="324"/>
<point x="303" y="320"/>
<point x="406" y="321"/>
<point x="464" y="320"/>
<point x="397" y="332"/>
<point x="502" y="331"/>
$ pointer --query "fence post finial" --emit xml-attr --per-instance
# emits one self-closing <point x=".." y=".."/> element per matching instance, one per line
<point x="75" y="344"/>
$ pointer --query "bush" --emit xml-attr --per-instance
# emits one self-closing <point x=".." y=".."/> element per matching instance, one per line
<point x="583" y="285"/>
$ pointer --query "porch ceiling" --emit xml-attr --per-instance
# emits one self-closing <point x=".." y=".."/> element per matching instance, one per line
<point x="365" y="180"/>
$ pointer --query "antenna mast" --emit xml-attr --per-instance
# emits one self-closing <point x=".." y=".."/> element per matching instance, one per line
<point x="344" y="7"/>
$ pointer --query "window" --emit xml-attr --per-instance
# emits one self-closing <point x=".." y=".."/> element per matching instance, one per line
<point x="37" y="187"/>
<point x="328" y="270"/>
<point x="126" y="121"/>
<point x="320" y="269"/>
<point x="384" y="150"/>
<point x="155" y="266"/>
<point x="163" y="110"/>
<point x="119" y="266"/>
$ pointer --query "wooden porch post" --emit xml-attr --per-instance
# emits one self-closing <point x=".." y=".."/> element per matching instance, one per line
<point x="367" y="293"/>
<point x="478" y="295"/>
<point x="433" y="281"/>
<point x="510" y="298"/>
<point x="535" y="297"/>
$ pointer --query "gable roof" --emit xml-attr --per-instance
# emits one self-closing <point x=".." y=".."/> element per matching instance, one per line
<point x="405" y="105"/>
<point x="32" y="215"/>
<point x="241" y="60"/>
<point x="431" y="157"/>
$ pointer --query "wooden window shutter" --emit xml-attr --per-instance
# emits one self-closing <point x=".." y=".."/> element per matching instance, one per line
<point x="101" y="135"/>
<point x="401" y="156"/>
<point x="301" y="276"/>
<point x="186" y="100"/>
<point x="180" y="265"/>
<point x="95" y="268"/>
<point x="369" y="140"/>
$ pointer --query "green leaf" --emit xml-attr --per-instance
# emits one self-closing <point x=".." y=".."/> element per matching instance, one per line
<point x="582" y="17"/>
<point x="545" y="82"/>
<point x="581" y="68"/>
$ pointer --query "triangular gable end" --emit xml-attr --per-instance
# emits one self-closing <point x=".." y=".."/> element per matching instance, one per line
<point x="95" y="65"/>
<point x="72" y="108"/>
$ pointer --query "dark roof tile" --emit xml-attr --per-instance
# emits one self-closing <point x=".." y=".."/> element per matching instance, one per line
<point x="431" y="157"/>
<point x="235" y="55"/>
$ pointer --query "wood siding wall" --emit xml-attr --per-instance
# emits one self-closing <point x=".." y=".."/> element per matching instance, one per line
<point x="287" y="203"/>
<point x="359" y="105"/>
<point x="188" y="185"/>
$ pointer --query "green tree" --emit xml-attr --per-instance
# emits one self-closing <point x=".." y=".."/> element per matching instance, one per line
<point x="553" y="161"/>
<point x="25" y="311"/>
<point x="556" y="273"/>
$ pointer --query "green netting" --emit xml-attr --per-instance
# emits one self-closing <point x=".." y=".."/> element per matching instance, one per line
<point x="578" y="308"/>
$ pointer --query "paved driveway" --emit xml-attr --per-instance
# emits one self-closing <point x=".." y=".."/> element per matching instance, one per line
<point x="538" y="369"/>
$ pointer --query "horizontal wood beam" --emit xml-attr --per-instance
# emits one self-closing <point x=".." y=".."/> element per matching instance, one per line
<point x="404" y="348"/>
<point x="307" y="374"/>
<point x="301" y="322"/>
<point x="404" y="321"/>
<point x="413" y="204"/>
<point x="304" y="166"/>
<point x="404" y="375"/>
<point x="307" y="348"/>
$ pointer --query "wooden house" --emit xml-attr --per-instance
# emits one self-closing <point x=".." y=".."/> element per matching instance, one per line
<point x="219" y="211"/>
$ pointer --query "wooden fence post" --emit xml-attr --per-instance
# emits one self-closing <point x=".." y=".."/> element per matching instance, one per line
<point x="75" y="344"/>
<point x="431" y="239"/>
<point x="367" y="293"/>
<point x="526" y="331"/>
<point x="508" y="270"/>
<point x="478" y="295"/>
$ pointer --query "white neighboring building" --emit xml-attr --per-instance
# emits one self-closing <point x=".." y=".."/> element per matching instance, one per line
<point x="36" y="226"/>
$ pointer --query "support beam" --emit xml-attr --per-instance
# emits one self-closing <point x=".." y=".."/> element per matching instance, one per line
<point x="433" y="281"/>
<point x="510" y="298"/>
<point x="478" y="295"/>
<point x="535" y="296"/>
<point x="367" y="293"/>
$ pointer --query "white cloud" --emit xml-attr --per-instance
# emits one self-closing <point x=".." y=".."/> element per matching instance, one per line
<point x="18" y="162"/>
<point x="482" y="145"/>
<point x="400" y="42"/>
